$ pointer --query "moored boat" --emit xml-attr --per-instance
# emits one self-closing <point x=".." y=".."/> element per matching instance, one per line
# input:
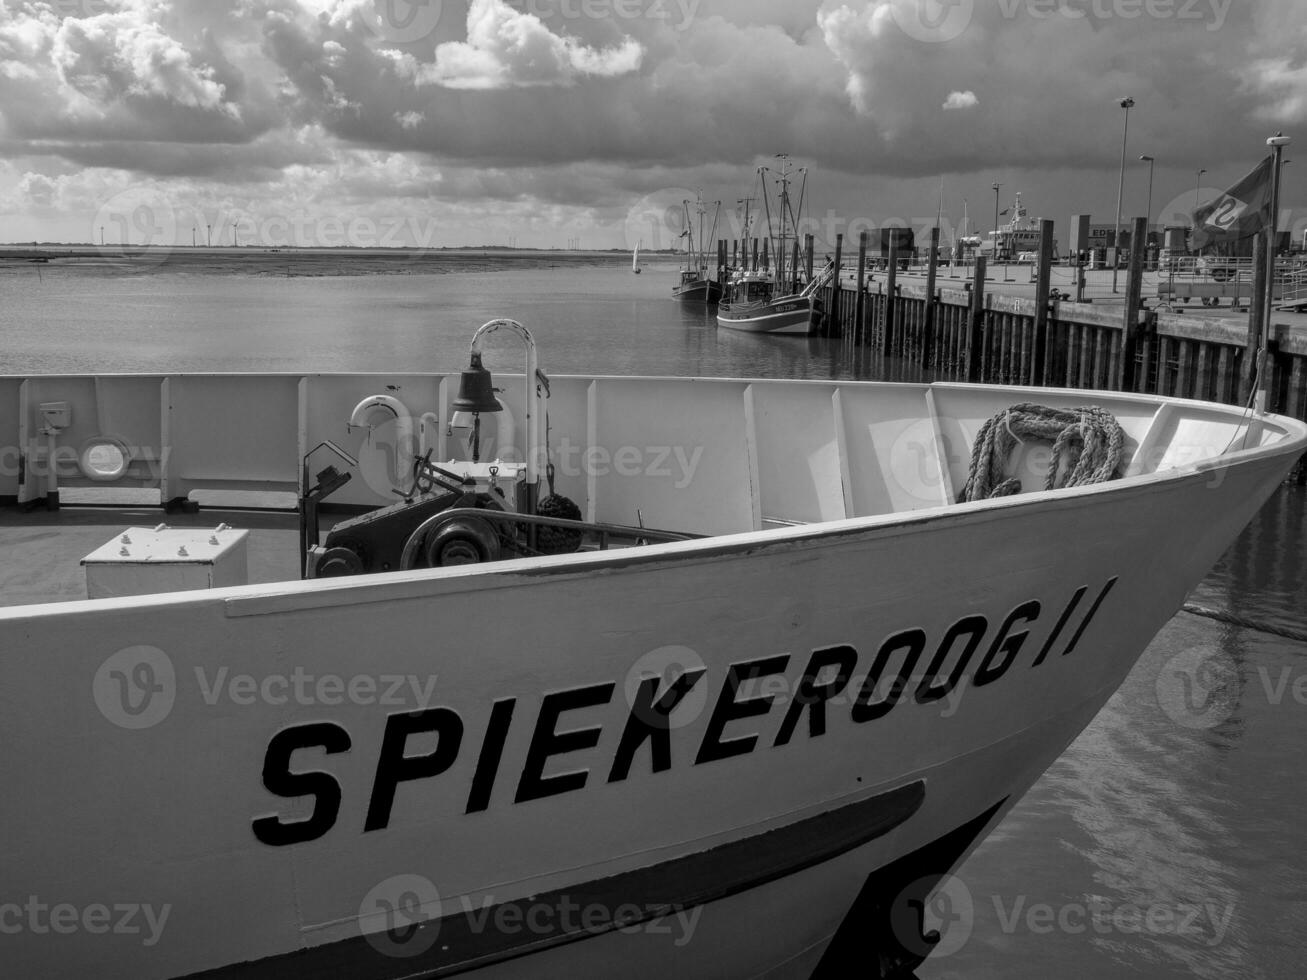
<point x="751" y="304"/>
<point x="774" y="301"/>
<point x="746" y="744"/>
<point x="1020" y="235"/>
<point x="695" y="285"/>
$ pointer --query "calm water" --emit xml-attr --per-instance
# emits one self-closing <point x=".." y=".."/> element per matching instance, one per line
<point x="586" y="319"/>
<point x="1166" y="842"/>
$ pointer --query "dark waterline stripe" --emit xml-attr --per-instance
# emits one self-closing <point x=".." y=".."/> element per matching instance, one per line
<point x="467" y="942"/>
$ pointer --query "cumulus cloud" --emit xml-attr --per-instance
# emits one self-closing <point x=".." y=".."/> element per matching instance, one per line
<point x="505" y="48"/>
<point x="127" y="70"/>
<point x="108" y="58"/>
<point x="1280" y="86"/>
<point x="961" y="100"/>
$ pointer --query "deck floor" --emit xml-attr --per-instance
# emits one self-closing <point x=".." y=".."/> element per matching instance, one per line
<point x="41" y="551"/>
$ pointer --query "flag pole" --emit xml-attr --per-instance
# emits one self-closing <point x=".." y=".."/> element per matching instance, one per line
<point x="1277" y="142"/>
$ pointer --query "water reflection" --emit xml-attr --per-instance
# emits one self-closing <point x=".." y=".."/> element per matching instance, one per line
<point x="1182" y="802"/>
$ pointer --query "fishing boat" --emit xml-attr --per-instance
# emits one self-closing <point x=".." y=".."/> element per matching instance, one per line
<point x="736" y="715"/>
<point x="773" y="301"/>
<point x="695" y="285"/>
<point x="635" y="259"/>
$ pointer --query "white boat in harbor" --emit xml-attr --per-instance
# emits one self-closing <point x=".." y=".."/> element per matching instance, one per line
<point x="1020" y="235"/>
<point x="774" y="301"/>
<point x="737" y="720"/>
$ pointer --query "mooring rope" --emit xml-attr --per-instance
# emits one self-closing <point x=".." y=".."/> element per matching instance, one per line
<point x="1088" y="445"/>
<point x="1232" y="619"/>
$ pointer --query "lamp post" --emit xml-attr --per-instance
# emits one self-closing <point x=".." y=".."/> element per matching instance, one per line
<point x="1197" y="186"/>
<point x="995" y="249"/>
<point x="1145" y="158"/>
<point x="1127" y="105"/>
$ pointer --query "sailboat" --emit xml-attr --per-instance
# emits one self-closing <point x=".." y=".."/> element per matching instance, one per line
<point x="763" y="301"/>
<point x="695" y="286"/>
<point x="635" y="259"/>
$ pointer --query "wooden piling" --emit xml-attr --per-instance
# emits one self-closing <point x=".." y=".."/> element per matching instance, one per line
<point x="1256" y="315"/>
<point x="888" y="333"/>
<point x="1134" y="293"/>
<point x="793" y="282"/>
<point x="860" y="308"/>
<point x="976" y="322"/>
<point x="927" y="345"/>
<point x="755" y="255"/>
<point x="1040" y="366"/>
<point x="836" y="327"/>
<point x="766" y="263"/>
<point x="807" y="249"/>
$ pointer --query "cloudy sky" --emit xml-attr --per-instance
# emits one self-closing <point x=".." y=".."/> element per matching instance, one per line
<point x="552" y="122"/>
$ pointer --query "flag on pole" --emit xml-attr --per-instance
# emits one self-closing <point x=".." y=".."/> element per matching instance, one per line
<point x="1241" y="212"/>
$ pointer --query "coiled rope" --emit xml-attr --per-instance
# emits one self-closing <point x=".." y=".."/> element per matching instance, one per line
<point x="1088" y="446"/>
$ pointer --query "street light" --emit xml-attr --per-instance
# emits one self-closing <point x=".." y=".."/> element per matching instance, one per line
<point x="1197" y="186"/>
<point x="1127" y="105"/>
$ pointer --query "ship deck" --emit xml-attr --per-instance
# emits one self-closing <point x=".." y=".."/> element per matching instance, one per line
<point x="43" y="549"/>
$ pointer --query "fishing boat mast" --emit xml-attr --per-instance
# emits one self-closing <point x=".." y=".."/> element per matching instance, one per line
<point x="744" y="240"/>
<point x="784" y="180"/>
<point x="696" y="257"/>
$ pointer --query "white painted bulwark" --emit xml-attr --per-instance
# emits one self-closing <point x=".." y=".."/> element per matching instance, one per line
<point x="147" y="561"/>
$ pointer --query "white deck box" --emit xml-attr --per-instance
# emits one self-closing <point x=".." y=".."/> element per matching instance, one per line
<point x="145" y="561"/>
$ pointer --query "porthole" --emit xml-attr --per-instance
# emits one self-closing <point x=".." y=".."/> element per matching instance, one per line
<point x="104" y="460"/>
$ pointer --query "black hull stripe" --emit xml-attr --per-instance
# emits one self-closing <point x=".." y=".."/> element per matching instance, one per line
<point x="461" y="941"/>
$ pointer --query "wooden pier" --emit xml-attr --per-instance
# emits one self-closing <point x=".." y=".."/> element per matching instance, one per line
<point x="902" y="332"/>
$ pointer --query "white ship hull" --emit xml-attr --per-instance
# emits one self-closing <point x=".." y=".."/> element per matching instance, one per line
<point x="511" y="806"/>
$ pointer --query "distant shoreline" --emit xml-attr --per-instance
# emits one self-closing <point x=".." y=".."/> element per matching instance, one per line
<point x="307" y="262"/>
